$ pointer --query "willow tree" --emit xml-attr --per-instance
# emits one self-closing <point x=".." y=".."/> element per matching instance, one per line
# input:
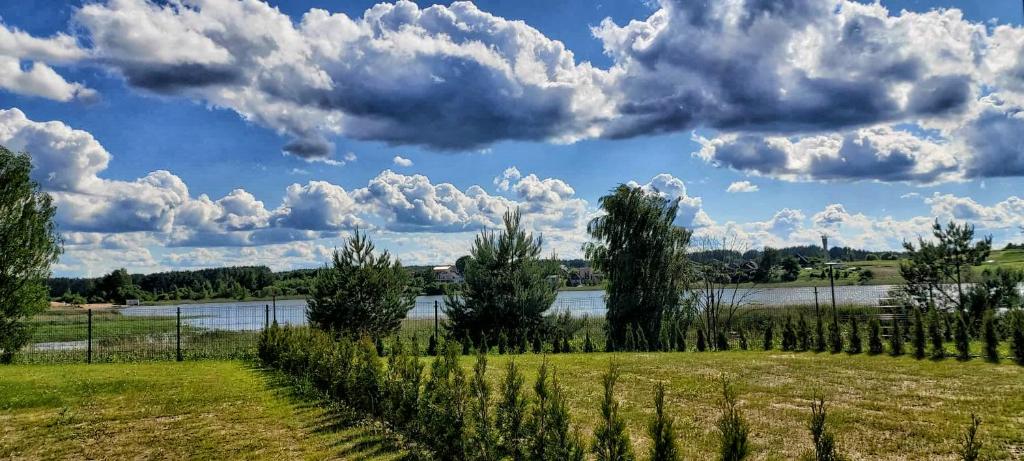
<point x="361" y="293"/>
<point x="643" y="256"/>
<point x="29" y="244"/>
<point x="506" y="288"/>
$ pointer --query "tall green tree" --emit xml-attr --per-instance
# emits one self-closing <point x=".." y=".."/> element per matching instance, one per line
<point x="29" y="244"/>
<point x="506" y="287"/>
<point x="643" y="255"/>
<point x="937" y="270"/>
<point x="361" y="293"/>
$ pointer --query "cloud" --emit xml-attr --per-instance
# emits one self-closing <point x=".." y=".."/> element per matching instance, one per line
<point x="510" y="175"/>
<point x="38" y="78"/>
<point x="691" y="212"/>
<point x="401" y="161"/>
<point x="741" y="187"/>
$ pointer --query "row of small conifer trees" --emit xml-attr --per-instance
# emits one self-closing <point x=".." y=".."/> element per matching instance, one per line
<point x="451" y="416"/>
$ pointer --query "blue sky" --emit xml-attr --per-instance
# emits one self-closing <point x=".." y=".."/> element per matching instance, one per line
<point x="856" y="120"/>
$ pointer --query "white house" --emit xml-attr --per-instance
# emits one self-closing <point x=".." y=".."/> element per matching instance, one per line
<point x="447" y="274"/>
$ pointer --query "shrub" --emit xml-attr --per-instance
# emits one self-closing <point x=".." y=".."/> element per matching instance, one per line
<point x="402" y="383"/>
<point x="681" y="330"/>
<point x="732" y="427"/>
<point x="611" y="443"/>
<point x="919" y="338"/>
<point x="769" y="338"/>
<point x="432" y="346"/>
<point x="663" y="435"/>
<point x="991" y="337"/>
<point x="1017" y="335"/>
<point x="824" y="441"/>
<point x="361" y="293"/>
<point x="803" y="334"/>
<point x="963" y="340"/>
<point x="896" y="339"/>
<point x="935" y="333"/>
<point x="664" y="335"/>
<point x="788" y="335"/>
<point x="443" y="406"/>
<point x="556" y="344"/>
<point x="367" y="378"/>
<point x="971" y="448"/>
<point x="510" y="415"/>
<point x="549" y="423"/>
<point x="630" y="338"/>
<point x="502" y="342"/>
<point x="702" y="343"/>
<point x="588" y="344"/>
<point x="875" y="345"/>
<point x="819" y="335"/>
<point x="743" y="340"/>
<point x="641" y="340"/>
<point x="856" y="345"/>
<point x="835" y="337"/>
<point x="482" y="444"/>
<point x="722" y="341"/>
<point x="566" y="347"/>
<point x="537" y="347"/>
<point x="947" y="332"/>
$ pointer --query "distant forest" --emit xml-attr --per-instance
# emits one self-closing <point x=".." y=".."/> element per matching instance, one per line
<point x="247" y="282"/>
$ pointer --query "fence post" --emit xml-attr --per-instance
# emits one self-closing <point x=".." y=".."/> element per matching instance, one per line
<point x="266" y="320"/>
<point x="817" y="311"/>
<point x="275" y="312"/>
<point x="88" y="350"/>
<point x="436" y="337"/>
<point x="178" y="342"/>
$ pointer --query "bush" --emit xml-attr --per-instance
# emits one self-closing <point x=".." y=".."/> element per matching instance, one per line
<point x="919" y="337"/>
<point x="896" y="339"/>
<point x="681" y="330"/>
<point x="588" y="344"/>
<point x="611" y="442"/>
<point x="641" y="340"/>
<point x="663" y="435"/>
<point x="1017" y="335"/>
<point x="630" y="344"/>
<point x="935" y="333"/>
<point x="443" y="406"/>
<point x="511" y="414"/>
<point x="835" y="337"/>
<point x="402" y="383"/>
<point x="732" y="427"/>
<point x="803" y="334"/>
<point x="875" y="345"/>
<point x="788" y="335"/>
<point x="502" y="342"/>
<point x="991" y="335"/>
<point x="432" y="346"/>
<point x="963" y="340"/>
<point x="819" y="335"/>
<point x="769" y="338"/>
<point x="482" y="444"/>
<point x="702" y="343"/>
<point x="856" y="345"/>
<point x="549" y="423"/>
<point x="971" y="449"/>
<point x="722" y="341"/>
<point x="824" y="441"/>
<point x="743" y="340"/>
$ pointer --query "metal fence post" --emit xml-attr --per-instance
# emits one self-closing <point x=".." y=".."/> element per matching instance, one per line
<point x="266" y="314"/>
<point x="275" y="312"/>
<point x="178" y="342"/>
<point x="88" y="350"/>
<point x="436" y="337"/>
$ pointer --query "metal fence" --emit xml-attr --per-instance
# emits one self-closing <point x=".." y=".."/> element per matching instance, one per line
<point x="227" y="331"/>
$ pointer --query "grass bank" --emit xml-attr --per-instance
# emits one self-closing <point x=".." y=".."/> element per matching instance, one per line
<point x="190" y="410"/>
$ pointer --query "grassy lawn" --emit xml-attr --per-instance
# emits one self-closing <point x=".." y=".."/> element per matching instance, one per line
<point x="879" y="407"/>
<point x="168" y="410"/>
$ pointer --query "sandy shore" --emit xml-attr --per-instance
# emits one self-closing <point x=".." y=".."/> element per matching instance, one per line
<point x="60" y="305"/>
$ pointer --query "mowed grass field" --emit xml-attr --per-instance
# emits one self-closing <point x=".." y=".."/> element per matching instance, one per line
<point x="879" y="407"/>
<point x="170" y="410"/>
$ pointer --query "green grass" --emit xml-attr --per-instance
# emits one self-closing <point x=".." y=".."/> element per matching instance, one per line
<point x="190" y="410"/>
<point x="879" y="407"/>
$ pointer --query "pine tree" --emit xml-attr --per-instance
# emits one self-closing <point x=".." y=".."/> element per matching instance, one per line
<point x="537" y="346"/>
<point x="788" y="335"/>
<point x="550" y="438"/>
<point x="467" y="345"/>
<point x="722" y="341"/>
<point x="379" y="345"/>
<point x="702" y="343"/>
<point x="835" y="337"/>
<point x="566" y="347"/>
<point x="588" y="344"/>
<point x="971" y="449"/>
<point x="919" y="336"/>
<point x="803" y="334"/>
<point x="819" y="335"/>
<point x="502" y="342"/>
<point x="443" y="406"/>
<point x="963" y="340"/>
<point x="896" y="339"/>
<point x="935" y="332"/>
<point x="769" y="338"/>
<point x="663" y="435"/>
<point x="875" y="345"/>
<point x="483" y="439"/>
<point x="1017" y="335"/>
<point x="556" y="344"/>
<point x="824" y="441"/>
<point x="611" y="442"/>
<point x="744" y="345"/>
<point x="432" y="346"/>
<point x="856" y="343"/>
<point x="991" y="337"/>
<point x="732" y="427"/>
<point x="510" y="416"/>
<point x="630" y="339"/>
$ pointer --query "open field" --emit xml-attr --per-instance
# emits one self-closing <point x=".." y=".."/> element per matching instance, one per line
<point x="191" y="410"/>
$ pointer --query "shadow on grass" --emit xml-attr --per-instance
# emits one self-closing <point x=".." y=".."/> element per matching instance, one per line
<point x="351" y="434"/>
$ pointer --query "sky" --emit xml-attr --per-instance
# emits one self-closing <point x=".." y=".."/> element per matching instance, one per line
<point x="204" y="133"/>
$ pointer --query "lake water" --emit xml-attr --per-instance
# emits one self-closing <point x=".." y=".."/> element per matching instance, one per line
<point x="252" y="315"/>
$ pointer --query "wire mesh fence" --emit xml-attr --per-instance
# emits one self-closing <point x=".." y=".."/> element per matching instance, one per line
<point x="228" y="331"/>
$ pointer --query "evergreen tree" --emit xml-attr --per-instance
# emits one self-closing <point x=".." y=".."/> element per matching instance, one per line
<point x="991" y="337"/>
<point x="935" y="333"/>
<point x="824" y="441"/>
<point x="963" y="340"/>
<point x="682" y="328"/>
<point x="643" y="256"/>
<point x="483" y="439"/>
<point x="556" y="343"/>
<point x="971" y="449"/>
<point x="537" y="347"/>
<point x="630" y="339"/>
<point x="856" y="344"/>
<point x="641" y="340"/>
<point x="379" y="345"/>
<point x="835" y="337"/>
<point x="896" y="339"/>
<point x="663" y="435"/>
<point x="361" y="293"/>
<point x="732" y="427"/>
<point x="467" y="345"/>
<point x="803" y="334"/>
<point x="819" y="335"/>
<point x="550" y="438"/>
<point x="588" y="344"/>
<point x="502" y="342"/>
<point x="510" y="416"/>
<point x="769" y="337"/>
<point x="664" y="335"/>
<point x="743" y="340"/>
<point x="788" y="335"/>
<point x="443" y="406"/>
<point x="505" y="288"/>
<point x="432" y="346"/>
<point x="566" y="347"/>
<point x="702" y="343"/>
<point x="947" y="332"/>
<point x="611" y="442"/>
<point x="919" y="335"/>
<point x="875" y="345"/>
<point x="722" y="341"/>
<point x="1017" y="335"/>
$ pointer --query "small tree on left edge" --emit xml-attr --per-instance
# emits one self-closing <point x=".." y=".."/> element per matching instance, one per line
<point x="361" y="293"/>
